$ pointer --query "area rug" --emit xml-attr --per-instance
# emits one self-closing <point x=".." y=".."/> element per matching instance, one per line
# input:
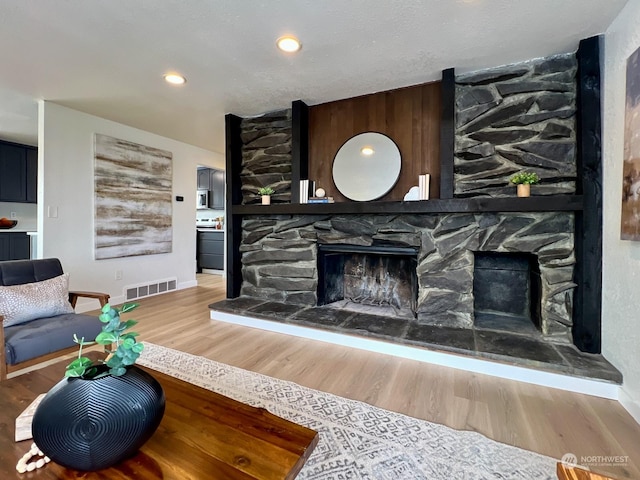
<point x="357" y="440"/>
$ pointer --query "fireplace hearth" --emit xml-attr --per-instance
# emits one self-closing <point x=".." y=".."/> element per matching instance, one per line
<point x="531" y="351"/>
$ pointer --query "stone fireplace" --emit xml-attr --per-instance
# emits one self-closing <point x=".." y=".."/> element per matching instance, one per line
<point x="280" y="259"/>
<point x="476" y="262"/>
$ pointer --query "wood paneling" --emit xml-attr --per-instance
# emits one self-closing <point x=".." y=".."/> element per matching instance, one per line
<point x="410" y="116"/>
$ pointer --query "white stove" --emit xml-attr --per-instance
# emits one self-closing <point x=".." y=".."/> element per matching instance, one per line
<point x="206" y="222"/>
<point x="210" y="220"/>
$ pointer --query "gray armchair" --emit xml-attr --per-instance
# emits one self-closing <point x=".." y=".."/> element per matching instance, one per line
<point x="27" y="340"/>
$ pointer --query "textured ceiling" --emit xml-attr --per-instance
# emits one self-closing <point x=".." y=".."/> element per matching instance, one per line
<point x="107" y="58"/>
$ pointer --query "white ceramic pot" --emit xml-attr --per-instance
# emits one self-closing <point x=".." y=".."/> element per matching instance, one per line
<point x="266" y="199"/>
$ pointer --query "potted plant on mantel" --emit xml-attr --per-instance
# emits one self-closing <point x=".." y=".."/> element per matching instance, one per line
<point x="100" y="414"/>
<point x="266" y="193"/>
<point x="523" y="181"/>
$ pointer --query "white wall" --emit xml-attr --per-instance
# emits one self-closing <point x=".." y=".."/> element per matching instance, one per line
<point x="621" y="259"/>
<point x="65" y="184"/>
<point x="26" y="214"/>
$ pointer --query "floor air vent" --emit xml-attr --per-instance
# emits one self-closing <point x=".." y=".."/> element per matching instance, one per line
<point x="149" y="289"/>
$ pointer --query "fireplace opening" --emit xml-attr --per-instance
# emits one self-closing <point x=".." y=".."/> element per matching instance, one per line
<point x="379" y="280"/>
<point x="507" y="291"/>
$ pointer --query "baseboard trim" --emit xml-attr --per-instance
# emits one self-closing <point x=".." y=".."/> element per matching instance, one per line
<point x="511" y="372"/>
<point x="209" y="271"/>
<point x="629" y="404"/>
<point x="189" y="284"/>
<point x="89" y="305"/>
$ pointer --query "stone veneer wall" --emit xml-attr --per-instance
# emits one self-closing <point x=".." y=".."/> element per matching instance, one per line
<point x="279" y="257"/>
<point x="266" y="156"/>
<point x="513" y="118"/>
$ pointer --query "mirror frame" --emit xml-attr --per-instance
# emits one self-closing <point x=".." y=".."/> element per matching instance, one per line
<point x="364" y="178"/>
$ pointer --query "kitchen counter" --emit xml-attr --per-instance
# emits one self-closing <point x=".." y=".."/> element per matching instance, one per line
<point x="28" y="231"/>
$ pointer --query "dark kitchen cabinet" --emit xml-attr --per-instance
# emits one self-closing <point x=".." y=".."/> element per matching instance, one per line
<point x="32" y="175"/>
<point x="210" y="250"/>
<point x="213" y="180"/>
<point x="18" y="173"/>
<point x="14" y="246"/>
<point x="204" y="181"/>
<point x="217" y="189"/>
<point x="13" y="173"/>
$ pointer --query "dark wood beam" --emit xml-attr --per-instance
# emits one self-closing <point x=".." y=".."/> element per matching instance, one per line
<point x="299" y="147"/>
<point x="447" y="132"/>
<point x="556" y="203"/>
<point x="234" y="197"/>
<point x="587" y="313"/>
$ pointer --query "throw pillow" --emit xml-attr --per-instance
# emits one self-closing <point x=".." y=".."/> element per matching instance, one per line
<point x="21" y="303"/>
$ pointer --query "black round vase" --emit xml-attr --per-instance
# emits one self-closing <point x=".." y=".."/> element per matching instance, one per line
<point x="94" y="424"/>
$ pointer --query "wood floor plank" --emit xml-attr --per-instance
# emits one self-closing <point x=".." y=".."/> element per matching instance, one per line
<point x="548" y="421"/>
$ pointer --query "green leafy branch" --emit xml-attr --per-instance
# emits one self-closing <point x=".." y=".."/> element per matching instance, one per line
<point x="527" y="178"/>
<point x="127" y="348"/>
<point x="266" y="191"/>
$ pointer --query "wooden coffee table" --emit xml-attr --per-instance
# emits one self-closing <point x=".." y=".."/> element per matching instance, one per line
<point x="567" y="472"/>
<point x="203" y="435"/>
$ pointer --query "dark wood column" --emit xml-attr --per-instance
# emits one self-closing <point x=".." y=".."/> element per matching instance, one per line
<point x="299" y="147"/>
<point x="587" y="313"/>
<point x="447" y="132"/>
<point x="234" y="197"/>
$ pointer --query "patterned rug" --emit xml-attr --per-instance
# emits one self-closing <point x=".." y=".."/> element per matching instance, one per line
<point x="357" y="440"/>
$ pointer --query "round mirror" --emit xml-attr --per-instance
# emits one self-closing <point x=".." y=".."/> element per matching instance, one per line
<point x="366" y="167"/>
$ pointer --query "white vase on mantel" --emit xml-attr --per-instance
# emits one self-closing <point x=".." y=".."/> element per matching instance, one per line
<point x="266" y="199"/>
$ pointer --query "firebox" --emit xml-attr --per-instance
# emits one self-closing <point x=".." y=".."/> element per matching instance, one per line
<point x="506" y="291"/>
<point x="358" y="276"/>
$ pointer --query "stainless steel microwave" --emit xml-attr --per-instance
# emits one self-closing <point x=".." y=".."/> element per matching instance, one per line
<point x="203" y="198"/>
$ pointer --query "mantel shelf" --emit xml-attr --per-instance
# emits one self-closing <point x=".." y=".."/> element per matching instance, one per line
<point x="555" y="203"/>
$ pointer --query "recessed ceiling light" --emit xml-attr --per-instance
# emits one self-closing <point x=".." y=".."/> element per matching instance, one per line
<point x="289" y="44"/>
<point x="367" y="151"/>
<point x="175" y="79"/>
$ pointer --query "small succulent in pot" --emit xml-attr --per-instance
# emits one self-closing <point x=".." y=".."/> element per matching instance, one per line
<point x="266" y="191"/>
<point x="525" y="178"/>
<point x="127" y="348"/>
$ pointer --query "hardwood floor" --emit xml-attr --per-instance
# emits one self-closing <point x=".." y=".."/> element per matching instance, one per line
<point x="545" y="420"/>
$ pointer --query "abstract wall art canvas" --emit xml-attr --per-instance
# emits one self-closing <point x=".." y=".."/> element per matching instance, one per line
<point x="630" y="227"/>
<point x="133" y="209"/>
